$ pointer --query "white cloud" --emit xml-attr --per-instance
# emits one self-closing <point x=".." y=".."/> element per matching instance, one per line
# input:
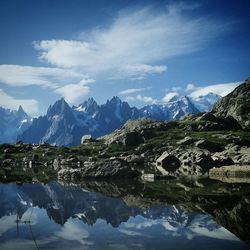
<point x="190" y="87"/>
<point x="134" y="43"/>
<point x="169" y="96"/>
<point x="132" y="91"/>
<point x="66" y="82"/>
<point x="219" y="89"/>
<point x="72" y="93"/>
<point x="140" y="98"/>
<point x="138" y="72"/>
<point x="17" y="75"/>
<point x="29" y="105"/>
<point x="176" y="89"/>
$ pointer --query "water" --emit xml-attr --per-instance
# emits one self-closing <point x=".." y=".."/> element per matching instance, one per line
<point x="104" y="215"/>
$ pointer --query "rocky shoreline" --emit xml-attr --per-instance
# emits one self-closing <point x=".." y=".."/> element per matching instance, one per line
<point x="152" y="147"/>
<point x="193" y="146"/>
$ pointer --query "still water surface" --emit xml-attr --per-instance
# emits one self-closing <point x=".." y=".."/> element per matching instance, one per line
<point x="125" y="216"/>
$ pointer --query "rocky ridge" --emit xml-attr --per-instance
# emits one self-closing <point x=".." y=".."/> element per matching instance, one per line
<point x="235" y="104"/>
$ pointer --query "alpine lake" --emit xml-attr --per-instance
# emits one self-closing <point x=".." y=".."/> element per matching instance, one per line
<point x="162" y="214"/>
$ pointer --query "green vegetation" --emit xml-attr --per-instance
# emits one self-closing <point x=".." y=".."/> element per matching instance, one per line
<point x="36" y="173"/>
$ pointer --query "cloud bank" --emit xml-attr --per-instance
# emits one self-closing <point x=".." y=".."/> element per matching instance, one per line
<point x="140" y="98"/>
<point x="169" y="96"/>
<point x="73" y="93"/>
<point x="132" y="91"/>
<point x="68" y="83"/>
<point x="19" y="76"/>
<point x="29" y="105"/>
<point x="222" y="89"/>
<point x="134" y="44"/>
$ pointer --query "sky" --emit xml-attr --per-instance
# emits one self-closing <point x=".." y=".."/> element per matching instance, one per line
<point x="141" y="51"/>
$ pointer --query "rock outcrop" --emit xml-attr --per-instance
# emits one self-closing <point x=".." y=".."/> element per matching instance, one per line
<point x="235" y="104"/>
<point x="115" y="169"/>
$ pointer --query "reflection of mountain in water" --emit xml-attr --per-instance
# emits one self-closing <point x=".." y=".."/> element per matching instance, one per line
<point x="62" y="202"/>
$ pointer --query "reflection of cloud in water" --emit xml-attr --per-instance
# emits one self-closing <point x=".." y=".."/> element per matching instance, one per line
<point x="31" y="215"/>
<point x="139" y="225"/>
<point x="130" y="232"/>
<point x="116" y="246"/>
<point x="219" y="233"/>
<point x="24" y="244"/>
<point x="9" y="222"/>
<point x="6" y="223"/>
<point x="168" y="227"/>
<point x="204" y="225"/>
<point x="73" y="231"/>
<point x="201" y="225"/>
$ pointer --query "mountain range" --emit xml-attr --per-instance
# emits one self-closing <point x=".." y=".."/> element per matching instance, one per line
<point x="13" y="123"/>
<point x="65" y="125"/>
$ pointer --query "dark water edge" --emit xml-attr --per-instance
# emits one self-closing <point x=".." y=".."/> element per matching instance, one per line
<point x="164" y="214"/>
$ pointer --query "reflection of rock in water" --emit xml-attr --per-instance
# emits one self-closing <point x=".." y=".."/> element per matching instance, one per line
<point x="231" y="179"/>
<point x="227" y="203"/>
<point x="236" y="219"/>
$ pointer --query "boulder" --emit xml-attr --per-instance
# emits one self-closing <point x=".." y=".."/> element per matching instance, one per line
<point x="86" y="139"/>
<point x="64" y="162"/>
<point x="55" y="164"/>
<point x="222" y="160"/>
<point x="19" y="143"/>
<point x="7" y="161"/>
<point x="207" y="117"/>
<point x="209" y="145"/>
<point x="186" y="141"/>
<point x="137" y="159"/>
<point x="132" y="139"/>
<point x="168" y="161"/>
<point x="204" y="160"/>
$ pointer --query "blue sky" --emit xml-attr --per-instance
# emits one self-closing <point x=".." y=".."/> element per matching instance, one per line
<point x="142" y="51"/>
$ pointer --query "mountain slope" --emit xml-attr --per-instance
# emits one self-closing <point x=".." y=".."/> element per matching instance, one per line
<point x="236" y="104"/>
<point x="12" y="123"/>
<point x="172" y="110"/>
<point x="59" y="126"/>
<point x="205" y="103"/>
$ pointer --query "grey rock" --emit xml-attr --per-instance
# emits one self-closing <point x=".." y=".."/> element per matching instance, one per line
<point x="204" y="160"/>
<point x="168" y="161"/>
<point x="186" y="141"/>
<point x="7" y="161"/>
<point x="109" y="169"/>
<point x="222" y="160"/>
<point x="209" y="145"/>
<point x="63" y="162"/>
<point x="56" y="164"/>
<point x="236" y="104"/>
<point x="86" y="139"/>
<point x="132" y="139"/>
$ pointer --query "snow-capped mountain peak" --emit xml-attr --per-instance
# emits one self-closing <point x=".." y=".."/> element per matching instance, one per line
<point x="205" y="102"/>
<point x="12" y="124"/>
<point x="65" y="125"/>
